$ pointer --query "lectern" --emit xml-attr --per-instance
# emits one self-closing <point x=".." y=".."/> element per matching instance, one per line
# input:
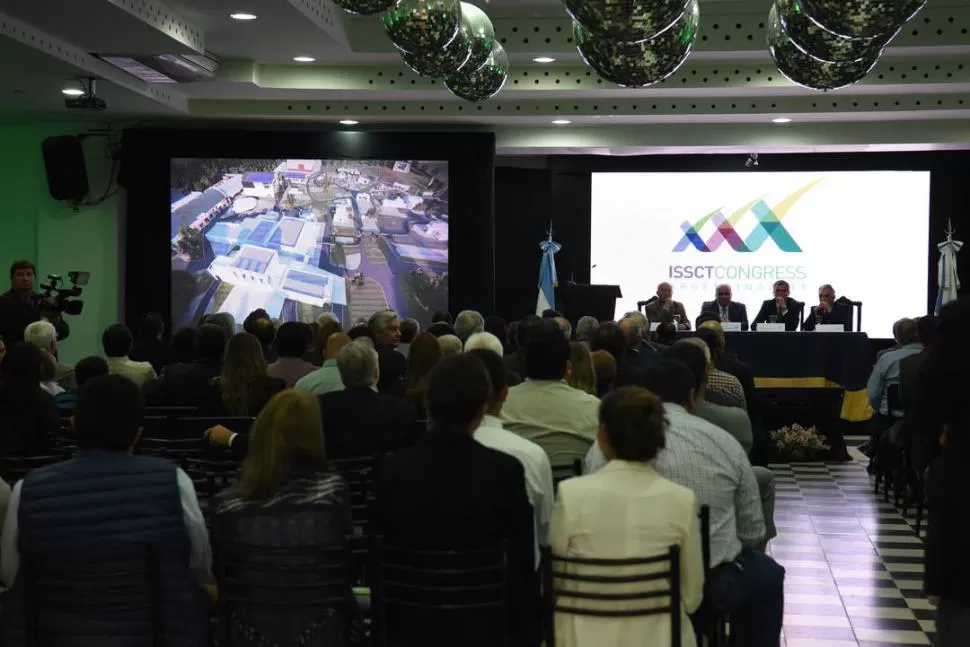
<point x="597" y="301"/>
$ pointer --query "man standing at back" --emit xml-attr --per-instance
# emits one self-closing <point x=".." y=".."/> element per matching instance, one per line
<point x="104" y="498"/>
<point x="21" y="305"/>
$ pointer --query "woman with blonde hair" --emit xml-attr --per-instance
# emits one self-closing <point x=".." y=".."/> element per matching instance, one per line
<point x="581" y="375"/>
<point x="243" y="388"/>
<point x="288" y="497"/>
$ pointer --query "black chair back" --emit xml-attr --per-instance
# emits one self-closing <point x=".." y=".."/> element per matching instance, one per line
<point x="188" y="427"/>
<point x="180" y="451"/>
<point x="99" y="586"/>
<point x="587" y="587"/>
<point x="705" y="518"/>
<point x="14" y="468"/>
<point x="894" y="401"/>
<point x="443" y="585"/>
<point x="360" y="475"/>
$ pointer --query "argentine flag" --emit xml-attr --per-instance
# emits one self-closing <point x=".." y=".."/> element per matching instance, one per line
<point x="547" y="276"/>
<point x="949" y="282"/>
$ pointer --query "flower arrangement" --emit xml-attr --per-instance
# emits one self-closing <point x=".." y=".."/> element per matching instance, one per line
<point x="796" y="443"/>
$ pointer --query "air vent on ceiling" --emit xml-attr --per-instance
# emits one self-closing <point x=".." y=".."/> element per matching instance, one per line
<point x="165" y="68"/>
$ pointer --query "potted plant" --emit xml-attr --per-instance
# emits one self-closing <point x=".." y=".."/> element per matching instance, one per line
<point x="794" y="443"/>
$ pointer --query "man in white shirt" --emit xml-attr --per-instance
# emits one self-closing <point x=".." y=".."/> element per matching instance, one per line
<point x="544" y="409"/>
<point x="538" y="471"/>
<point x="117" y="342"/>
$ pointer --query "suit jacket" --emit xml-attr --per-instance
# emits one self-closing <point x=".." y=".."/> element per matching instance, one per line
<point x="736" y="311"/>
<point x="656" y="313"/>
<point x="452" y="493"/>
<point x="361" y="422"/>
<point x="393" y="365"/>
<point x="627" y="510"/>
<point x="839" y="314"/>
<point x="791" y="319"/>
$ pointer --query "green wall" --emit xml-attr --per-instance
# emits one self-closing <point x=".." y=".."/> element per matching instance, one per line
<point x="35" y="226"/>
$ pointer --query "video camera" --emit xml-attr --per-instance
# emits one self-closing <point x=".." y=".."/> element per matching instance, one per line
<point x="64" y="298"/>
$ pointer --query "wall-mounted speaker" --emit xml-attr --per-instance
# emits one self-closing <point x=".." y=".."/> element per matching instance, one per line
<point x="67" y="175"/>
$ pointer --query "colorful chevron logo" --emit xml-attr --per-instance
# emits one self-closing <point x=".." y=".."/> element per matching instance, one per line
<point x="769" y="226"/>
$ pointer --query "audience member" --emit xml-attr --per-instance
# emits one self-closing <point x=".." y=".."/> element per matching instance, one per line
<point x="362" y="330"/>
<point x="586" y="329"/>
<point x="666" y="334"/>
<point x="544" y="409"/>
<point x="326" y="378"/>
<point x="409" y="330"/>
<point x="452" y="493"/>
<point x="565" y="327"/>
<point x="611" y="339"/>
<point x="260" y="326"/>
<point x="117" y="343"/>
<point x="149" y="346"/>
<point x="909" y="367"/>
<point x="386" y="327"/>
<point x="496" y="326"/>
<point x="450" y="345"/>
<point x="896" y="345"/>
<point x="706" y="459"/>
<point x="225" y="321"/>
<point x="885" y="374"/>
<point x="515" y="361"/>
<point x="318" y="354"/>
<point x="86" y="370"/>
<point x="468" y="323"/>
<point x="425" y="355"/>
<point x="602" y="516"/>
<point x="29" y="413"/>
<point x="485" y="341"/>
<point x="190" y="383"/>
<point x="605" y="367"/>
<point x="287" y="497"/>
<point x="722" y="387"/>
<point x="441" y="328"/>
<point x="62" y="510"/>
<point x="43" y="335"/>
<point x="292" y="341"/>
<point x="581" y="375"/>
<point x="511" y="338"/>
<point x="641" y="353"/>
<point x="442" y="316"/>
<point x="244" y="386"/>
<point x="48" y="369"/>
<point x="538" y="471"/>
<point x="184" y="343"/>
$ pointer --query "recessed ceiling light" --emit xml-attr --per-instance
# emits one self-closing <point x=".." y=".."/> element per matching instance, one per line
<point x="304" y="59"/>
<point x="243" y="16"/>
<point x="73" y="92"/>
<point x="561" y="122"/>
<point x="781" y="120"/>
<point x="544" y="59"/>
<point x="349" y="122"/>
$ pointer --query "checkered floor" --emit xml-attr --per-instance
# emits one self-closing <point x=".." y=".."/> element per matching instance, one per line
<point x="854" y="566"/>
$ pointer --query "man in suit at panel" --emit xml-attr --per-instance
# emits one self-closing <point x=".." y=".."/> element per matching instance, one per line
<point x="664" y="308"/>
<point x="725" y="308"/>
<point x="781" y="309"/>
<point x="829" y="311"/>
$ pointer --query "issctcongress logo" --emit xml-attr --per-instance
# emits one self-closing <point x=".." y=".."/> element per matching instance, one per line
<point x="768" y="225"/>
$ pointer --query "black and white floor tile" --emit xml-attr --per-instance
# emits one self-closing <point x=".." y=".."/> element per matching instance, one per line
<point x="854" y="565"/>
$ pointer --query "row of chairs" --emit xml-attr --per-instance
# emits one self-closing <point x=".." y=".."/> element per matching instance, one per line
<point x="893" y="466"/>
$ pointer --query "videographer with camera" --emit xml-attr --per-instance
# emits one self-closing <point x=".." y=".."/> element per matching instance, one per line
<point x="21" y="305"/>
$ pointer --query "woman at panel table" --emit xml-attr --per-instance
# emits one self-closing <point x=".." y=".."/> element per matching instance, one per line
<point x="828" y="311"/>
<point x="781" y="309"/>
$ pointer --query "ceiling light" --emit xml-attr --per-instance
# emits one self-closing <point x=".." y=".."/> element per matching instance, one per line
<point x="544" y="59"/>
<point x="561" y="122"/>
<point x="243" y="16"/>
<point x="781" y="120"/>
<point x="73" y="92"/>
<point x="349" y="122"/>
<point x="304" y="59"/>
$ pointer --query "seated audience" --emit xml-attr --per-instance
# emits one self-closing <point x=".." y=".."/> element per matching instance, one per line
<point x="910" y="366"/>
<point x="450" y="345"/>
<point x="61" y="509"/>
<point x="440" y="329"/>
<point x="538" y="471"/>
<point x="292" y="341"/>
<point x="442" y="316"/>
<point x="488" y="341"/>
<point x="184" y="343"/>
<point x="287" y="497"/>
<point x="48" y="369"/>
<point x="468" y="323"/>
<point x="564" y="326"/>
<point x="226" y="321"/>
<point x="886" y="374"/>
<point x="259" y="325"/>
<point x="149" y="346"/>
<point x="515" y="361"/>
<point x="117" y="343"/>
<point x="641" y="353"/>
<point x="325" y="329"/>
<point x="586" y="329"/>
<point x="43" y="335"/>
<point x="706" y="459"/>
<point x="29" y="413"/>
<point x="722" y="387"/>
<point x="244" y="386"/>
<point x="409" y="330"/>
<point x="452" y="493"/>
<point x="186" y="384"/>
<point x="544" y="409"/>
<point x="326" y="378"/>
<point x="386" y="327"/>
<point x="603" y="516"/>
<point x="424" y="356"/>
<point x="666" y="334"/>
<point x="581" y="375"/>
<point x="361" y="330"/>
<point x="605" y="367"/>
<point x="86" y="369"/>
<point x="496" y="326"/>
<point x="611" y="339"/>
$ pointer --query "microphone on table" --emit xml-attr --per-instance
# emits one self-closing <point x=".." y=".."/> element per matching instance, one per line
<point x="642" y="304"/>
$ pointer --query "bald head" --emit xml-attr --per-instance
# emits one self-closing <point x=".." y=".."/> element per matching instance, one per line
<point x="335" y="343"/>
<point x="665" y="291"/>
<point x="722" y="294"/>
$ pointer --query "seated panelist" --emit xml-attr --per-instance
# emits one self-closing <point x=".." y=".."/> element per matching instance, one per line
<point x="829" y="311"/>
<point x="664" y="309"/>
<point x="781" y="309"/>
<point x="726" y="309"/>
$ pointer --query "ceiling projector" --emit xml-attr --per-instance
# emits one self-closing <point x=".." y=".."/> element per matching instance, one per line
<point x="87" y="101"/>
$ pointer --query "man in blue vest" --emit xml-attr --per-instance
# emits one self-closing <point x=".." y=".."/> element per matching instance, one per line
<point x="104" y="501"/>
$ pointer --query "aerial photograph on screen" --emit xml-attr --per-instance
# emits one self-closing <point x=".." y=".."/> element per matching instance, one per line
<point x="299" y="238"/>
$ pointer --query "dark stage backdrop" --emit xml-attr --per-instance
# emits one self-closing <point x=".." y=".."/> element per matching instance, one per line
<point x="145" y="174"/>
<point x="558" y="189"/>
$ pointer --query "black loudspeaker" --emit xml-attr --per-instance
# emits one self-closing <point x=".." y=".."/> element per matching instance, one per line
<point x="67" y="176"/>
